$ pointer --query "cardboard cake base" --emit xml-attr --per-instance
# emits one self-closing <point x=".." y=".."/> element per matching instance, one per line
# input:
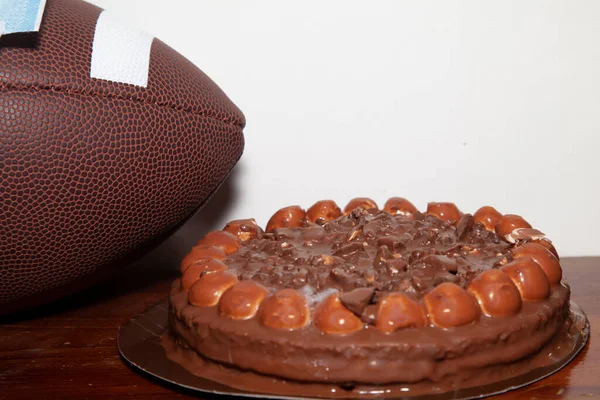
<point x="142" y="338"/>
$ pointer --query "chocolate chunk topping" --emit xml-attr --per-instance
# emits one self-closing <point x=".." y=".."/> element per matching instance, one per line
<point x="369" y="314"/>
<point x="465" y="224"/>
<point x="357" y="300"/>
<point x="442" y="263"/>
<point x="349" y="250"/>
<point x="383" y="254"/>
<point x="524" y="234"/>
<point x="370" y="249"/>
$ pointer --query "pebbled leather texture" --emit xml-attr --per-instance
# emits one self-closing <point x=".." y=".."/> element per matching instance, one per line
<point x="92" y="171"/>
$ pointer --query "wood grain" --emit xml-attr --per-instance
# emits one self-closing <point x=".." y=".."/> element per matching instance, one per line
<point x="68" y="350"/>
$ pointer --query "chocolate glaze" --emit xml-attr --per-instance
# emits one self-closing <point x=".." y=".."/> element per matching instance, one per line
<point x="320" y="266"/>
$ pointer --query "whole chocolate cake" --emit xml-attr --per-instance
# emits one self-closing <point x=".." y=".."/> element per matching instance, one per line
<point x="369" y="296"/>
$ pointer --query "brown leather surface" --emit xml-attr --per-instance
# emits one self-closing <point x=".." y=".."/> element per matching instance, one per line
<point x="93" y="170"/>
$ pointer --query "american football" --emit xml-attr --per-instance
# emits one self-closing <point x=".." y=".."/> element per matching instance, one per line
<point x="110" y="140"/>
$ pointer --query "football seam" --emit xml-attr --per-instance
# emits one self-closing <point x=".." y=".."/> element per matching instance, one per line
<point x="49" y="88"/>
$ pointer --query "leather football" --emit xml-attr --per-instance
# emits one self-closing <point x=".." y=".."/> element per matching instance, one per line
<point x="109" y="139"/>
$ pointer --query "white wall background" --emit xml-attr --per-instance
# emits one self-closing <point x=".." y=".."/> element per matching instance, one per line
<point x="473" y="102"/>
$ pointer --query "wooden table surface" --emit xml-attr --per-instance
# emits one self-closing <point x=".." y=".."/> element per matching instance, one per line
<point x="69" y="350"/>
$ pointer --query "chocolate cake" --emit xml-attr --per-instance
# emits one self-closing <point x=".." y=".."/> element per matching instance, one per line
<point x="366" y="296"/>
